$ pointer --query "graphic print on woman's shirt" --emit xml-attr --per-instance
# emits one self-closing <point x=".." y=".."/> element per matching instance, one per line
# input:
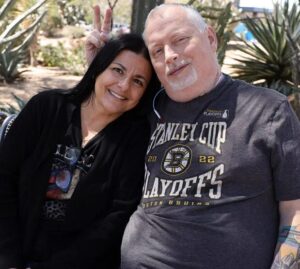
<point x="68" y="163"/>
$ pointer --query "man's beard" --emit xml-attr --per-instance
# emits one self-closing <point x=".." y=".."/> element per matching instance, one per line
<point x="184" y="82"/>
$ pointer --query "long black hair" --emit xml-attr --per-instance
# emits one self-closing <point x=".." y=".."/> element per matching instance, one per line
<point x="85" y="89"/>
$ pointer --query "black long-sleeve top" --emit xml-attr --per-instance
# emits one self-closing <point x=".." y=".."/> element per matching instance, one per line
<point x="102" y="203"/>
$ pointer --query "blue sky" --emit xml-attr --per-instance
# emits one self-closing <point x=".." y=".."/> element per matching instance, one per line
<point x="259" y="3"/>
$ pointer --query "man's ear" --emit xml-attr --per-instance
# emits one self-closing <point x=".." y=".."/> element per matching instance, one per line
<point x="212" y="37"/>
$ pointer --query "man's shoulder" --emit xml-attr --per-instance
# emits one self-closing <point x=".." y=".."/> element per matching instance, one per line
<point x="263" y="93"/>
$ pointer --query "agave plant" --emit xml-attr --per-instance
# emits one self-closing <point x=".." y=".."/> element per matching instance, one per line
<point x="14" y="39"/>
<point x="8" y="109"/>
<point x="273" y="59"/>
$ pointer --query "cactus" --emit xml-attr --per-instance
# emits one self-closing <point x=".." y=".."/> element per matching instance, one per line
<point x="14" y="41"/>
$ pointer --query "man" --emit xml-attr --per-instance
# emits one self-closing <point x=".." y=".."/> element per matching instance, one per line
<point x="222" y="178"/>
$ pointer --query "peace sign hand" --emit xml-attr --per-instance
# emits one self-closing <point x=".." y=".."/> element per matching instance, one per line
<point x="100" y="34"/>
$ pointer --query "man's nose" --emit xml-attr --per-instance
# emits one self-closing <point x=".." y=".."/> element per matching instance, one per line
<point x="170" y="54"/>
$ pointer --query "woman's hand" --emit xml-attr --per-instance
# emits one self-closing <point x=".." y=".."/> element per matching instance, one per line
<point x="100" y="34"/>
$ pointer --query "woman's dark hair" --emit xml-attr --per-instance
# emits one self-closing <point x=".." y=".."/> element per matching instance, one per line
<point x="133" y="42"/>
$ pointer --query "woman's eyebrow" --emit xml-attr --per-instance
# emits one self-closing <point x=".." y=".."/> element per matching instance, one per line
<point x="123" y="67"/>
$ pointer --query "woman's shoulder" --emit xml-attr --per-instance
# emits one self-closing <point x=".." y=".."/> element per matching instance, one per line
<point x="48" y="98"/>
<point x="49" y="94"/>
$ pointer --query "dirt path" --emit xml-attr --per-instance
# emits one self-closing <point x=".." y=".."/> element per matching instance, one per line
<point x="36" y="79"/>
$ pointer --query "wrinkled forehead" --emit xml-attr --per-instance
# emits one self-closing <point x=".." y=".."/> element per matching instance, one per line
<point x="161" y="16"/>
<point x="163" y="11"/>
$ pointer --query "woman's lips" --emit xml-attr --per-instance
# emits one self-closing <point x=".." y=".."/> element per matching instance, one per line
<point x="116" y="95"/>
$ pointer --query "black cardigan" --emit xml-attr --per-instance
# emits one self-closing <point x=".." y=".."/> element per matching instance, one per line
<point x="101" y="204"/>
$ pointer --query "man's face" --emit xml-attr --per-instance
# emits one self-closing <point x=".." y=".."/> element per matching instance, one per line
<point x="183" y="57"/>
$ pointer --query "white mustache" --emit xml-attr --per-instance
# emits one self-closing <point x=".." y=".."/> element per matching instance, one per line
<point x="176" y="66"/>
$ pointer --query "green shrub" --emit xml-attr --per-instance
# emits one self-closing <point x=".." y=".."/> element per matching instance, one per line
<point x="76" y="63"/>
<point x="52" y="55"/>
<point x="72" y="59"/>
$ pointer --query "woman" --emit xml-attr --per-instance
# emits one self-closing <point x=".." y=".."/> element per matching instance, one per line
<point x="71" y="165"/>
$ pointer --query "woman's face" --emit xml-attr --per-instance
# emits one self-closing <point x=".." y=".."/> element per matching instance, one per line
<point x="121" y="85"/>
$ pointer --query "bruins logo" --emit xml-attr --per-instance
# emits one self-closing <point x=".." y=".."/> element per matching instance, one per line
<point x="176" y="160"/>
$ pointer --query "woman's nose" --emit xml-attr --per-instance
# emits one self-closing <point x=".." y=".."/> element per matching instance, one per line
<point x="124" y="84"/>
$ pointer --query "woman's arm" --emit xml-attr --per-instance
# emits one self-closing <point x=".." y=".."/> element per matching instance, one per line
<point x="18" y="144"/>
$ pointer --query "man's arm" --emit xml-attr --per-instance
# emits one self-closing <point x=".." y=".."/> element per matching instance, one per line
<point x="100" y="34"/>
<point x="287" y="254"/>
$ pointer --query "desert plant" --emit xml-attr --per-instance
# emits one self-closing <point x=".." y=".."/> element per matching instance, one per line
<point x="71" y="59"/>
<point x="76" y="63"/>
<point x="273" y="59"/>
<point x="53" y="20"/>
<point x="7" y="109"/>
<point x="15" y="39"/>
<point x="72" y="14"/>
<point x="52" y="55"/>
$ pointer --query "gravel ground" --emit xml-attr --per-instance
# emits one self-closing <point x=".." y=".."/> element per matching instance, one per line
<point x="36" y="79"/>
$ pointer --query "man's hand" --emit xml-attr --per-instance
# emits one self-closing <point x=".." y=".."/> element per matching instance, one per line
<point x="100" y="34"/>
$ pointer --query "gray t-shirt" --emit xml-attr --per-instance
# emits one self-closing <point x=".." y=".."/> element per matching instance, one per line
<point x="216" y="168"/>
